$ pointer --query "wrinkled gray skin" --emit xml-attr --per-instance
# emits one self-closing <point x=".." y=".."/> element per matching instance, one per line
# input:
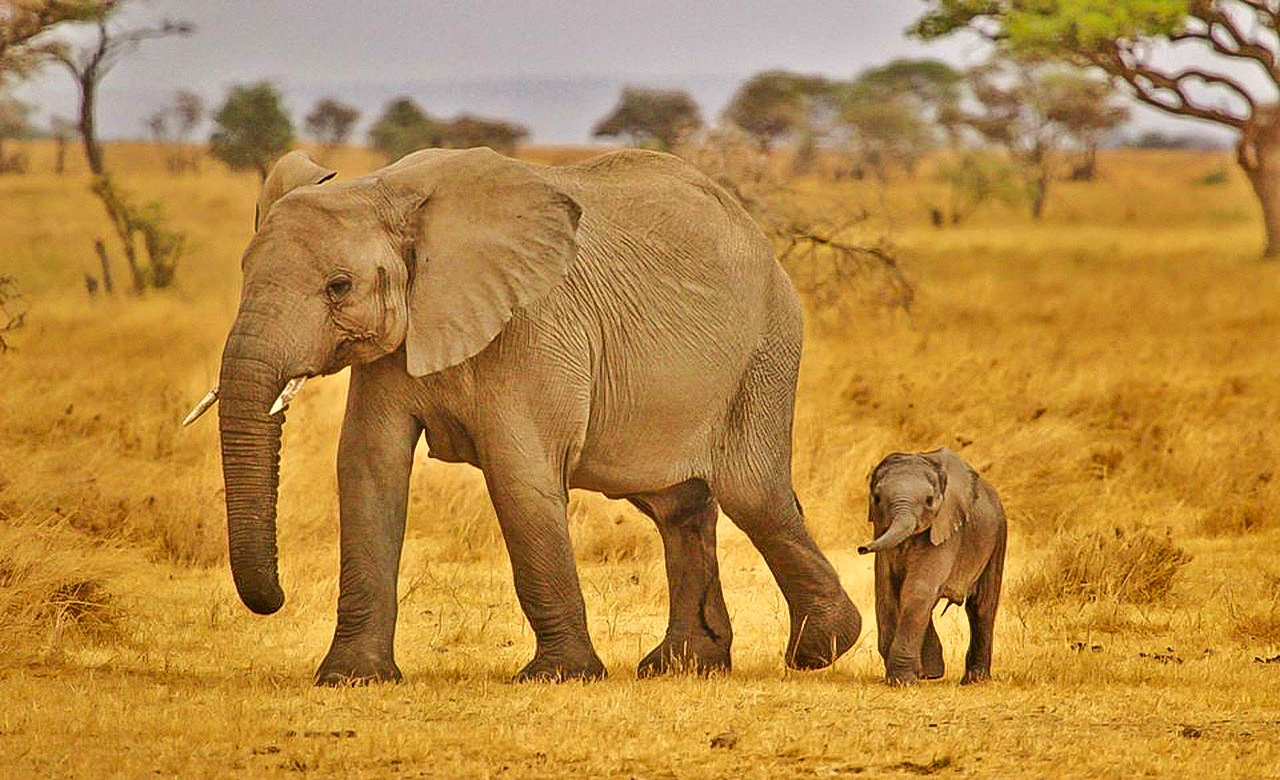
<point x="620" y="326"/>
<point x="940" y="534"/>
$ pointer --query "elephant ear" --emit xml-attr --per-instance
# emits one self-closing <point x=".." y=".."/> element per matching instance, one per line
<point x="957" y="497"/>
<point x="489" y="235"/>
<point x="295" y="169"/>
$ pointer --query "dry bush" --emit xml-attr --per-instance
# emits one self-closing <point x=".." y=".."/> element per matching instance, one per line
<point x="13" y="309"/>
<point x="1133" y="568"/>
<point x="1257" y="622"/>
<point x="821" y="240"/>
<point x="51" y="588"/>
<point x="1256" y="618"/>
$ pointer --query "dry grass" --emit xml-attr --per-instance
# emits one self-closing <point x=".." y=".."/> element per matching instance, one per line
<point x="1134" y="568"/>
<point x="1111" y="368"/>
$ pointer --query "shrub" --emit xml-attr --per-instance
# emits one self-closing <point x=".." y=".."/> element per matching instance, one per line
<point x="1135" y="568"/>
<point x="51" y="587"/>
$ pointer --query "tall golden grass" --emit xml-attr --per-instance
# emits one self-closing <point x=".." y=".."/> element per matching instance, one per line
<point x="1111" y="368"/>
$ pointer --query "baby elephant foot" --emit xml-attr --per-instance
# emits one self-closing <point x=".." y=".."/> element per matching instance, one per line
<point x="550" y="667"/>
<point x="700" y="655"/>
<point x="822" y="633"/>
<point x="356" y="668"/>
<point x="972" y="676"/>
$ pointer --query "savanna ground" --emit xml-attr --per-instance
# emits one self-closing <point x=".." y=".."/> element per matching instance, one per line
<point x="1113" y="371"/>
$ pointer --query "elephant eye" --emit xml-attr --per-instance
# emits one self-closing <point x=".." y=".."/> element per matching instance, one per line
<point x="876" y="498"/>
<point x="338" y="288"/>
<point x="930" y="501"/>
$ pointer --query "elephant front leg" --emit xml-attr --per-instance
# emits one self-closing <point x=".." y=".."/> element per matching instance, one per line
<point x="532" y="509"/>
<point x="887" y="586"/>
<point x="375" y="456"/>
<point x="915" y="609"/>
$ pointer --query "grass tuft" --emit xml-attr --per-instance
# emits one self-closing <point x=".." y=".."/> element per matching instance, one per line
<point x="1134" y="568"/>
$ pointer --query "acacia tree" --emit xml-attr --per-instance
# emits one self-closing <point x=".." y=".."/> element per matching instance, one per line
<point x="898" y="112"/>
<point x="251" y="129"/>
<point x="403" y="128"/>
<point x="331" y="122"/>
<point x="1029" y="108"/>
<point x="466" y="130"/>
<point x="1138" y="43"/>
<point x="89" y="64"/>
<point x="651" y="117"/>
<point x="778" y="104"/>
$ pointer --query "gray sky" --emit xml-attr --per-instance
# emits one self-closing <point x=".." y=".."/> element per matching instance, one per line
<point x="554" y="65"/>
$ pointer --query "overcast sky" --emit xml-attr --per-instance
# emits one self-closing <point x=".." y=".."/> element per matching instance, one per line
<point x="555" y="65"/>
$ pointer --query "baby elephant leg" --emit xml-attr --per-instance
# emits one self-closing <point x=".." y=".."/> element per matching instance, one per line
<point x="981" y="608"/>
<point x="914" y="613"/>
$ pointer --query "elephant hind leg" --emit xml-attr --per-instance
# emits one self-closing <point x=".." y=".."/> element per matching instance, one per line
<point x="752" y="481"/>
<point x="981" y="608"/>
<point x="698" y="634"/>
<point x="824" y="622"/>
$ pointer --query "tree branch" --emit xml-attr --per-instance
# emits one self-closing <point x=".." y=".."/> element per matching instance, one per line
<point x="1167" y="91"/>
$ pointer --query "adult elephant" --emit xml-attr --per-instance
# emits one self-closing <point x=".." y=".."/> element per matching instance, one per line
<point x="619" y="325"/>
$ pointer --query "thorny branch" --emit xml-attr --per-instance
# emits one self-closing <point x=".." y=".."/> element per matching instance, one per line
<point x="824" y="264"/>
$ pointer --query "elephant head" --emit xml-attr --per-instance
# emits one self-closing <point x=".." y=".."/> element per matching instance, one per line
<point x="431" y="255"/>
<point x="931" y="491"/>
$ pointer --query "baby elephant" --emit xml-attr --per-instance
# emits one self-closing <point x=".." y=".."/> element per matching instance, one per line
<point x="960" y="558"/>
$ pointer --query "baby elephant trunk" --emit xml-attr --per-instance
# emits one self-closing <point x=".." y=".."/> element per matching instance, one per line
<point x="903" y="525"/>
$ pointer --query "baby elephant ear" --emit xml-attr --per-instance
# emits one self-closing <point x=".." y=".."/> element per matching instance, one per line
<point x="295" y="169"/>
<point x="958" y="493"/>
<point x="490" y="235"/>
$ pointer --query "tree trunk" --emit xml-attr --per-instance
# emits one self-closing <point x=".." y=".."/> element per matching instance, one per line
<point x="88" y="133"/>
<point x="1039" y="194"/>
<point x="108" y="286"/>
<point x="1259" y="155"/>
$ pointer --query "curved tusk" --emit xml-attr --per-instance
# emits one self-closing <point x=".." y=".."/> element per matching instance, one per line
<point x="209" y="400"/>
<point x="291" y="389"/>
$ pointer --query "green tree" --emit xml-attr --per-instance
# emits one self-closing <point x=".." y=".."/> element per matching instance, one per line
<point x="15" y="123"/>
<point x="778" y="104"/>
<point x="252" y="128"/>
<point x="1029" y="108"/>
<point x="331" y="122"/>
<point x="403" y="128"/>
<point x="896" y="113"/>
<point x="660" y="118"/>
<point x="466" y="131"/>
<point x="1140" y="44"/>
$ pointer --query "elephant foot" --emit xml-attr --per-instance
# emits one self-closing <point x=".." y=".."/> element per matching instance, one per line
<point x="556" y="668"/>
<point x="932" y="668"/>
<point x="901" y="679"/>
<point x="700" y="655"/>
<point x="972" y="676"/>
<point x="823" y="633"/>
<point x="339" y="669"/>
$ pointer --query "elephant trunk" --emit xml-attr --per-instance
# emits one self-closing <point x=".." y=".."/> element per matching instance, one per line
<point x="904" y="524"/>
<point x="251" y="466"/>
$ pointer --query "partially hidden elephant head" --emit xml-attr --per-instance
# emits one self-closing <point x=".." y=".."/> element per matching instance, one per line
<point x="432" y="254"/>
<point x="912" y="493"/>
